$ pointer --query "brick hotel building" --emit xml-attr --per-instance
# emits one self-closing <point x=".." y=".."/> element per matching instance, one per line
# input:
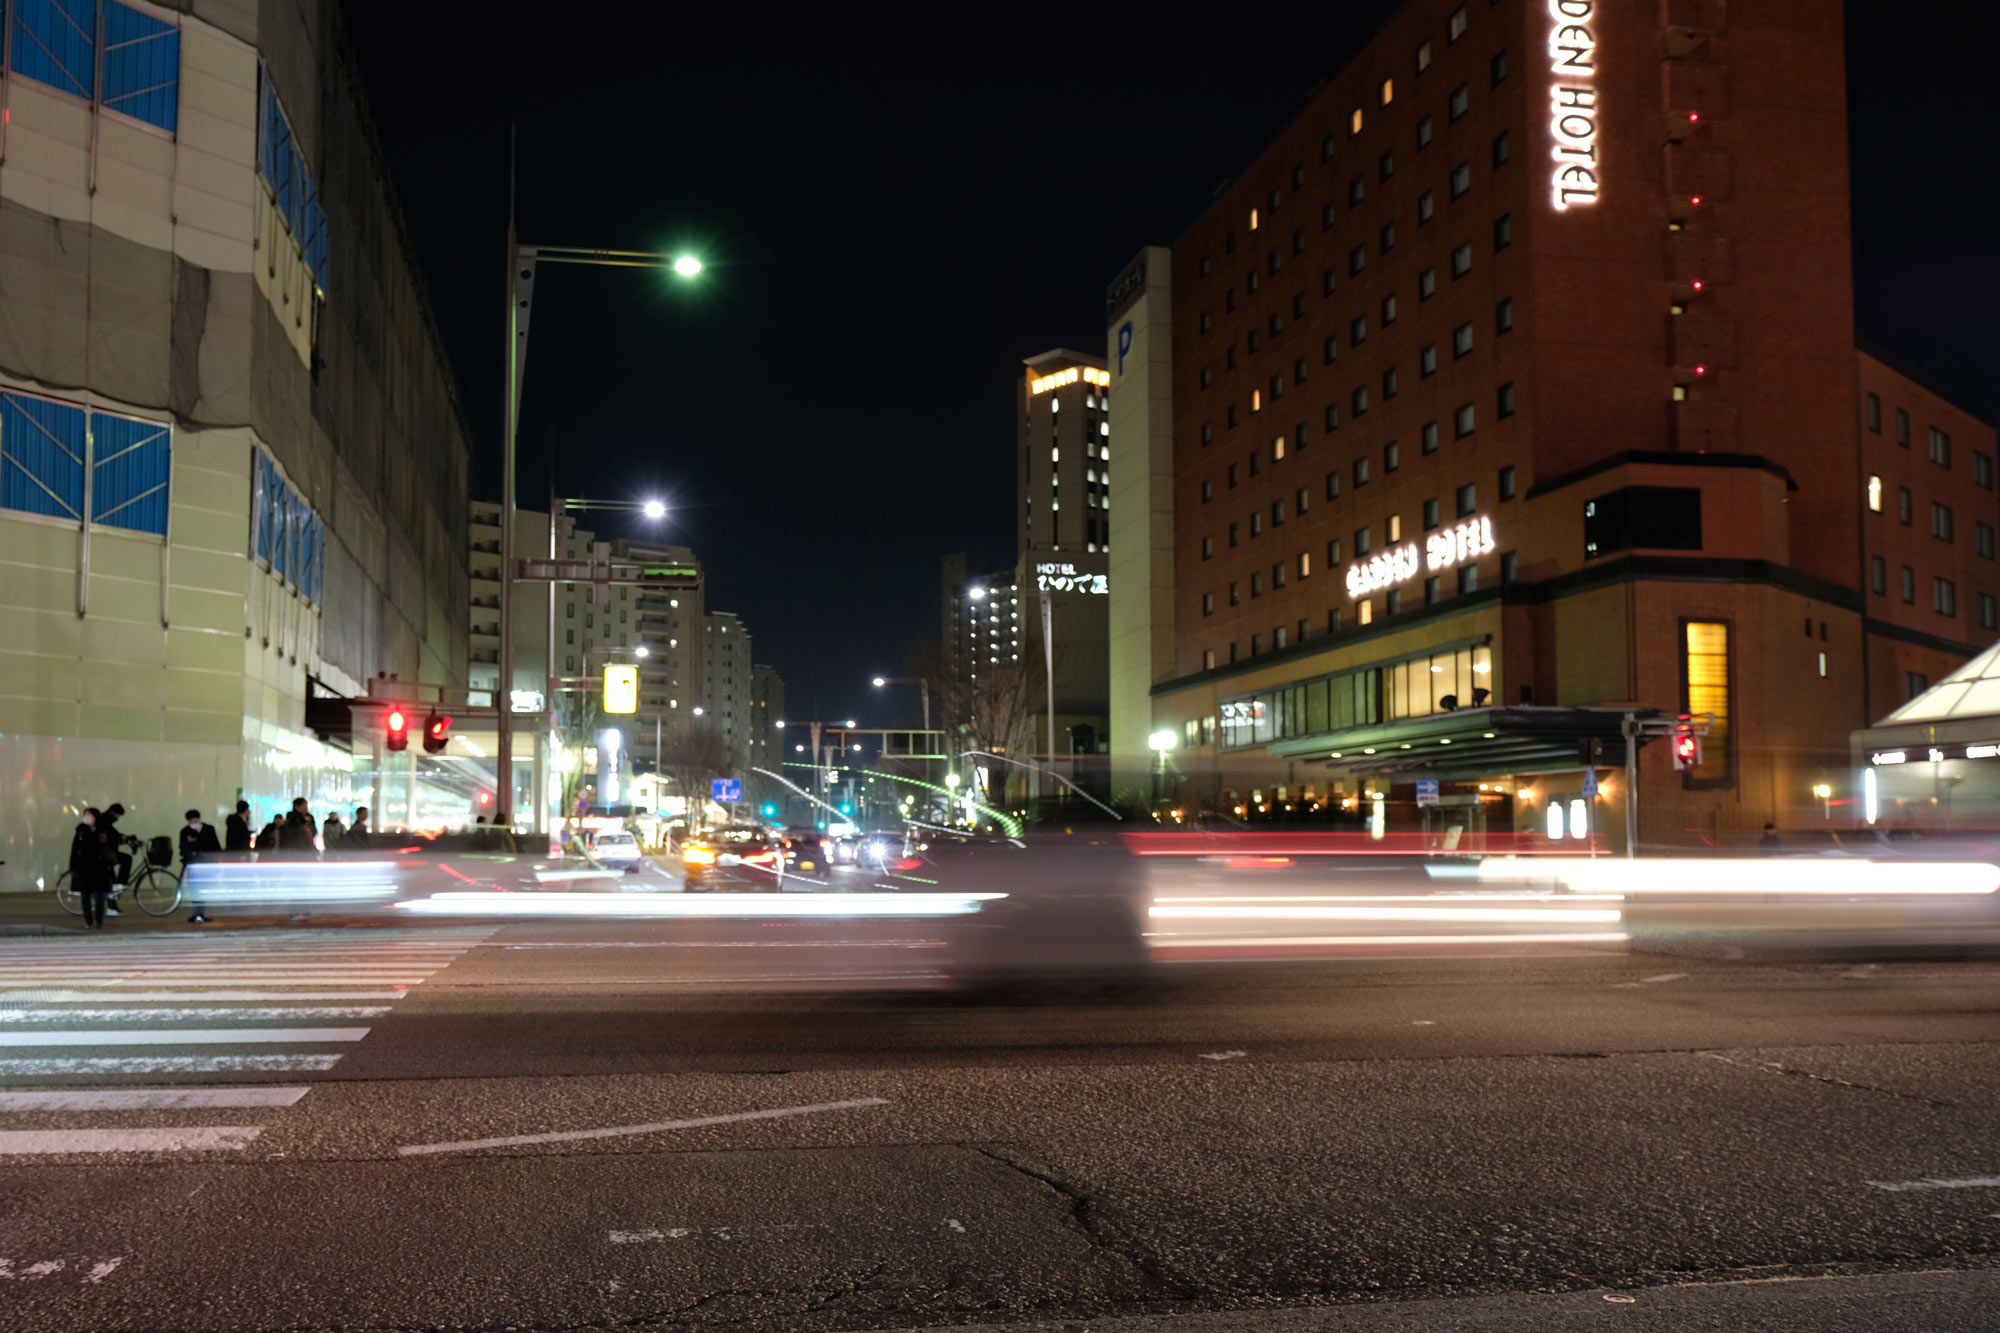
<point x="1514" y="387"/>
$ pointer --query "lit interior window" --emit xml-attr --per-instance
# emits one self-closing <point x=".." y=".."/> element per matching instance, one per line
<point x="1256" y="400"/>
<point x="1875" y="494"/>
<point x="1388" y="94"/>
<point x="1278" y="447"/>
<point x="1354" y="122"/>
<point x="1253" y="219"/>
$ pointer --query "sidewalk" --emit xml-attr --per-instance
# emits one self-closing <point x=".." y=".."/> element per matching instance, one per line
<point x="39" y="914"/>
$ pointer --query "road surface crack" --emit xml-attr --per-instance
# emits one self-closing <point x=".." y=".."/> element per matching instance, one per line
<point x="1082" y="1215"/>
<point x="1776" y="1067"/>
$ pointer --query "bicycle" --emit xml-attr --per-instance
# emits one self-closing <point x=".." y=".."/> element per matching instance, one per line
<point x="154" y="885"/>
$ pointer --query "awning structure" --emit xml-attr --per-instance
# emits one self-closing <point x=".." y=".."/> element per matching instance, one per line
<point x="1472" y="743"/>
<point x="1957" y="718"/>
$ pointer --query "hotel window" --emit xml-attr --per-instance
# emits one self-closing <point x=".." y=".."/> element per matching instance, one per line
<point x="1277" y="513"/>
<point x="1940" y="447"/>
<point x="1433" y="590"/>
<point x="1273" y="263"/>
<point x="1430" y="514"/>
<point x="1357" y="330"/>
<point x="1326" y="149"/>
<point x="1257" y="640"/>
<point x="1468" y="579"/>
<point x="1233" y="653"/>
<point x="1298" y="370"/>
<point x="1982" y="470"/>
<point x="1326" y="217"/>
<point x="1332" y="417"/>
<point x="1875" y="494"/>
<point x="1509" y="566"/>
<point x="1394" y="601"/>
<point x="1423" y="56"/>
<point x="1503" y="315"/>
<point x="1256" y="523"/>
<point x="1256" y="586"/>
<point x="1275" y="323"/>
<point x="1395" y="527"/>
<point x="1333" y="485"/>
<point x="1272" y="199"/>
<point x="1327" y="283"/>
<point x="1357" y="190"/>
<point x="1354" y="123"/>
<point x="1305" y="572"/>
<point x="1427" y="360"/>
<point x="1208" y="603"/>
<point x="1502" y="149"/>
<point x="1229" y="354"/>
<point x="1982" y="540"/>
<point x="1915" y="683"/>
<point x="1468" y="499"/>
<point x="1424" y="133"/>
<point x="1256" y="400"/>
<point x="1905" y="506"/>
<point x="1875" y="413"/>
<point x="1364" y="614"/>
<point x="1229" y="301"/>
<point x="1277" y="638"/>
<point x="1229" y="241"/>
<point x="1357" y="259"/>
<point x="1387" y="236"/>
<point x="1430" y="437"/>
<point x="1253" y="219"/>
<point x="1207" y="491"/>
<point x="1385" y="166"/>
<point x="1233" y="534"/>
<point x="1461" y="341"/>
<point x="1205" y="266"/>
<point x="1388" y="91"/>
<point x="1461" y="421"/>
<point x="1392" y="456"/>
<point x="1208" y="548"/>
<point x="1454" y="27"/>
<point x="1298" y="240"/>
<point x="1361" y="546"/>
<point x="1298" y="177"/>
<point x="1503" y="231"/>
<point x="1427" y="284"/>
<point x="1207" y="376"/>
<point x="1333" y="558"/>
<point x="1461" y="179"/>
<point x="1299" y="436"/>
<point x="1460" y="103"/>
<point x="1878" y="574"/>
<point x="1498" y="66"/>
<point x="1231" y="474"/>
<point x="1277" y="389"/>
<point x="1298" y="305"/>
<point x="1251" y="282"/>
<point x="1426" y="206"/>
<point x="1388" y="310"/>
<point x="1705" y="689"/>
<point x="1986" y="611"/>
<point x="1902" y="428"/>
<point x="1940" y="521"/>
<point x="1390" y="383"/>
<point x="1461" y="260"/>
<point x="1301" y="500"/>
<point x="1909" y="586"/>
<point x="1329" y="350"/>
<point x="1504" y="406"/>
<point x="1277" y="576"/>
<point x="1361" y="470"/>
<point x="1207" y="433"/>
<point x="1944" y="597"/>
<point x="1207" y="321"/>
<point x="1235" y="597"/>
<point x="1507" y="482"/>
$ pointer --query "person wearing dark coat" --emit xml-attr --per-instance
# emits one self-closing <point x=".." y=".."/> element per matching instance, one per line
<point x="197" y="839"/>
<point x="91" y="864"/>
<point x="238" y="837"/>
<point x="301" y="830"/>
<point x="271" y="835"/>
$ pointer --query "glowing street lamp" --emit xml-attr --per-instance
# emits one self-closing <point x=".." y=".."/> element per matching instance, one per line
<point x="687" y="266"/>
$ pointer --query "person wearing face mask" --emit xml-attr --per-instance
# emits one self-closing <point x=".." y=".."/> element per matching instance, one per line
<point x="91" y="864"/>
<point x="197" y="838"/>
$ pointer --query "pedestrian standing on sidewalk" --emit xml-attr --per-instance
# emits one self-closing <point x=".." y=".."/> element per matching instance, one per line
<point x="331" y="832"/>
<point x="90" y="867"/>
<point x="357" y="839"/>
<point x="301" y="833"/>
<point x="238" y="837"/>
<point x="271" y="836"/>
<point x="197" y="837"/>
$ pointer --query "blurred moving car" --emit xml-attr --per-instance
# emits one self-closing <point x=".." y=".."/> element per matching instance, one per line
<point x="736" y="856"/>
<point x="882" y="848"/>
<point x="806" y="849"/>
<point x="619" y="851"/>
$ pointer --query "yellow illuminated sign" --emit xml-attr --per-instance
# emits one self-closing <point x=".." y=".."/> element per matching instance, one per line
<point x="621" y="689"/>
<point x="1088" y="374"/>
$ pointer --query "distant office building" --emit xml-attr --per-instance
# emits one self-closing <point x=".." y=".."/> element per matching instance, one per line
<point x="767" y="701"/>
<point x="727" y="696"/>
<point x="1513" y="387"/>
<point x="531" y="604"/>
<point x="233" y="468"/>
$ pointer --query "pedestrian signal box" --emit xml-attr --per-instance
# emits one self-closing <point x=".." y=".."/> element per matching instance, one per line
<point x="1687" y="750"/>
<point x="437" y="734"/>
<point x="621" y="689"/>
<point x="398" y="737"/>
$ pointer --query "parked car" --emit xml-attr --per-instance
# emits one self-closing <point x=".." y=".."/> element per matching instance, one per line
<point x="619" y="851"/>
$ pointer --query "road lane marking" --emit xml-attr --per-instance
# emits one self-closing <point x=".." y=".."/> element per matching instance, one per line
<point x="621" y="1131"/>
<point x="1938" y="1183"/>
<point x="167" y="1064"/>
<point x="139" y="977"/>
<point x="157" y="997"/>
<point x="193" y="1138"/>
<point x="1223" y="1055"/>
<point x="158" y="1015"/>
<point x="100" y="1271"/>
<point x="1263" y="942"/>
<point x="181" y="1037"/>
<point x="150" y="1099"/>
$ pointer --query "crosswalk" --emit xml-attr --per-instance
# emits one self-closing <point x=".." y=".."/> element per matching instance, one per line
<point x="100" y="1017"/>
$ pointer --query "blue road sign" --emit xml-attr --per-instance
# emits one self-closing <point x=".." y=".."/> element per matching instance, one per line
<point x="725" y="791"/>
<point x="1590" y="782"/>
<point x="1427" y="791"/>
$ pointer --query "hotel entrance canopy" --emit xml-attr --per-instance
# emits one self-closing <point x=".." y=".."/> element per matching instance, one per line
<point x="1472" y="743"/>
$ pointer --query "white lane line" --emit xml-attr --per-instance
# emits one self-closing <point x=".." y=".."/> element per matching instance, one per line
<point x="1938" y="1183"/>
<point x="181" y="1037"/>
<point x="55" y="1066"/>
<point x="1224" y="1055"/>
<point x="164" y="1015"/>
<point x="235" y="969"/>
<point x="1664" y="976"/>
<point x="149" y="1099"/>
<point x="1265" y="942"/>
<point x="620" y="1131"/>
<point x="157" y="997"/>
<point x="100" y="1271"/>
<point x="276" y="979"/>
<point x="214" y="1138"/>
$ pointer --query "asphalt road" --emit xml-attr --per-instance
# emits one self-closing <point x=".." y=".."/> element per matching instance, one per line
<point x="639" y="1124"/>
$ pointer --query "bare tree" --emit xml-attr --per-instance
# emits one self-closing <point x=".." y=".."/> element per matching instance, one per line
<point x="692" y="757"/>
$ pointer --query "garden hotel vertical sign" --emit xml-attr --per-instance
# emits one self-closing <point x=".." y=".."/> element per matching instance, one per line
<point x="1573" y="97"/>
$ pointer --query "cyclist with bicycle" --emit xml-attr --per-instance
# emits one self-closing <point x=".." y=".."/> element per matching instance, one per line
<point x="91" y="862"/>
<point x="122" y="846"/>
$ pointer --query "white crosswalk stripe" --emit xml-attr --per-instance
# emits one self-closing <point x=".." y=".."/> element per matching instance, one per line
<point x="200" y="1000"/>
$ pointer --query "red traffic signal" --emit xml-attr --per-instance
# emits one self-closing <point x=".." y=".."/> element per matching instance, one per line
<point x="437" y="734"/>
<point x="399" y="730"/>
<point x="1687" y="750"/>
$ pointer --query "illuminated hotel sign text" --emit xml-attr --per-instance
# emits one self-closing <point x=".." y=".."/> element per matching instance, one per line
<point x="1088" y="374"/>
<point x="1064" y="578"/>
<point x="1573" y="94"/>
<point x="1443" y="549"/>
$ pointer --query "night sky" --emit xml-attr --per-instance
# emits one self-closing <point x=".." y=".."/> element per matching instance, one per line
<point x="895" y="209"/>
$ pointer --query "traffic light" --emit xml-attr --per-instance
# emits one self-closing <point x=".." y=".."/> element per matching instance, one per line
<point x="437" y="734"/>
<point x="399" y="730"/>
<point x="770" y="809"/>
<point x="1687" y="750"/>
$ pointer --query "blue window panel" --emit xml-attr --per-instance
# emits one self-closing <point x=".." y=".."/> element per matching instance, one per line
<point x="131" y="463"/>
<point x="55" y="42"/>
<point x="142" y="66"/>
<point x="41" y="456"/>
<point x="269" y="489"/>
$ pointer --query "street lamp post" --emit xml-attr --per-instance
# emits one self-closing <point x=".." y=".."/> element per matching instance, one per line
<point x="521" y="264"/>
<point x="923" y="688"/>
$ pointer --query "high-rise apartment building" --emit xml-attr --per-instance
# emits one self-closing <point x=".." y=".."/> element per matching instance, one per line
<point x="767" y="699"/>
<point x="233" y="469"/>
<point x="728" y="701"/>
<point x="1513" y="387"/>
